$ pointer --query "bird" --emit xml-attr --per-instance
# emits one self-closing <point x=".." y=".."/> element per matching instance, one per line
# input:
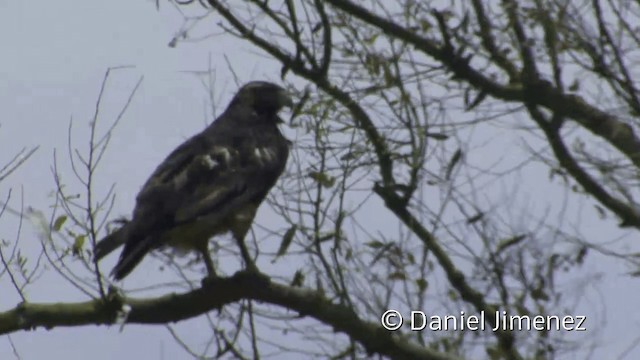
<point x="210" y="185"/>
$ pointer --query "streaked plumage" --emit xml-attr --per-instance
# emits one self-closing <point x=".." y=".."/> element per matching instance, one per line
<point x="211" y="184"/>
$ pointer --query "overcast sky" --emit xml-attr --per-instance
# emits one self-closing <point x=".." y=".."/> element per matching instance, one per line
<point x="56" y="54"/>
<point x="53" y="60"/>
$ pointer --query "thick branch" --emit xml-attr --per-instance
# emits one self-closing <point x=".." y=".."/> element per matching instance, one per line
<point x="489" y="43"/>
<point x="456" y="278"/>
<point x="395" y="204"/>
<point x="599" y="122"/>
<point x="319" y="78"/>
<point x="626" y="213"/>
<point x="216" y="293"/>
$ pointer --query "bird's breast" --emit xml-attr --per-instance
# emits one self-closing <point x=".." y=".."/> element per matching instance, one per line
<point x="192" y="235"/>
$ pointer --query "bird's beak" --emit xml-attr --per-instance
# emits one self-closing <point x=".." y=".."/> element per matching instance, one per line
<point x="284" y="98"/>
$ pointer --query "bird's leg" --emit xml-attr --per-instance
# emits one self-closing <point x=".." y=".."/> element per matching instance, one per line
<point x="249" y="263"/>
<point x="204" y="250"/>
<point x="209" y="264"/>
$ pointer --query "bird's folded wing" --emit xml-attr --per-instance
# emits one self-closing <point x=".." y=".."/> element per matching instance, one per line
<point x="216" y="199"/>
<point x="168" y="176"/>
<point x="208" y="178"/>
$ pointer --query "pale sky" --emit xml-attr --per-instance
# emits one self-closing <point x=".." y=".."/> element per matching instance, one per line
<point x="54" y="57"/>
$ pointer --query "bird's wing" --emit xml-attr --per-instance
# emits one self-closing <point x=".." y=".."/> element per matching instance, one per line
<point x="213" y="174"/>
<point x="152" y="195"/>
<point x="251" y="169"/>
<point x="217" y="172"/>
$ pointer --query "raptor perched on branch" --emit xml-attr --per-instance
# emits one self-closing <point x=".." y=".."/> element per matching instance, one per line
<point x="211" y="184"/>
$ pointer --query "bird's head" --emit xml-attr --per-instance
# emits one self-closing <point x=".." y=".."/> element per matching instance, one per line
<point x="262" y="97"/>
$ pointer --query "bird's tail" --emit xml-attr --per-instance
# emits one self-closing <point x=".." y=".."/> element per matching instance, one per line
<point x="132" y="254"/>
<point x="109" y="243"/>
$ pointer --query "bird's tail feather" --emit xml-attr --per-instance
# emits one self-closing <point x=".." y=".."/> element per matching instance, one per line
<point x="130" y="257"/>
<point x="108" y="244"/>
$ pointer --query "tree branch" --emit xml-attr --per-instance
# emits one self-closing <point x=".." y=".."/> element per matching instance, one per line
<point x="359" y="114"/>
<point x="455" y="276"/>
<point x="599" y="122"/>
<point x="243" y="285"/>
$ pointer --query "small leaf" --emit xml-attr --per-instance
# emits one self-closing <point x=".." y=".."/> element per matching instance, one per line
<point x="283" y="72"/>
<point x="635" y="273"/>
<point x="355" y="154"/>
<point x="582" y="253"/>
<point x="286" y="240"/>
<point x="297" y="109"/>
<point x="298" y="279"/>
<point x="411" y="259"/>
<point x="575" y="85"/>
<point x="322" y="179"/>
<point x="425" y="25"/>
<point x="452" y="163"/>
<point x="475" y="218"/>
<point x="375" y="244"/>
<point x="539" y="294"/>
<point x="381" y="252"/>
<point x="348" y="255"/>
<point x="437" y="136"/>
<point x="389" y="79"/>
<point x="57" y="225"/>
<point x="478" y="99"/>
<point x="422" y="284"/>
<point x="397" y="275"/>
<point x="371" y="39"/>
<point x="78" y="243"/>
<point x="601" y="212"/>
<point x="504" y="244"/>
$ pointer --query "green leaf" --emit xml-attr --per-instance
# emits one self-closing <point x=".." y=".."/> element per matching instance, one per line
<point x="372" y="63"/>
<point x="371" y="39"/>
<point x="389" y="79"/>
<point x="478" y="99"/>
<point x="350" y="155"/>
<point x="375" y="244"/>
<point x="422" y="284"/>
<point x="78" y="243"/>
<point x="635" y="273"/>
<point x="322" y="178"/>
<point x="437" y="136"/>
<point x="539" y="294"/>
<point x="349" y="254"/>
<point x="475" y="218"/>
<point x="452" y="163"/>
<point x="601" y="212"/>
<point x="411" y="259"/>
<point x="575" y="85"/>
<point x="286" y="240"/>
<point x="582" y="253"/>
<point x="504" y="244"/>
<point x="57" y="225"/>
<point x="380" y="251"/>
<point x="397" y="275"/>
<point x="425" y="25"/>
<point x="298" y="279"/>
